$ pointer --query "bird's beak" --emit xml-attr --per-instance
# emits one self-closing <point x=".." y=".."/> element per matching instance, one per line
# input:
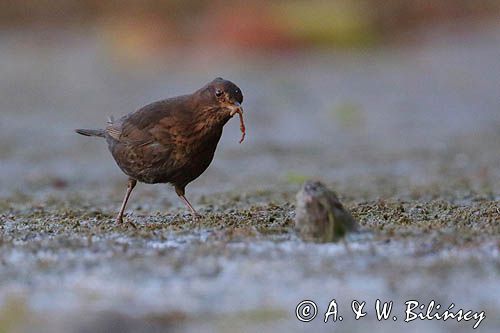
<point x="236" y="108"/>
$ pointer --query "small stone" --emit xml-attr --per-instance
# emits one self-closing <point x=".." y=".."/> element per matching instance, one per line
<point x="320" y="216"/>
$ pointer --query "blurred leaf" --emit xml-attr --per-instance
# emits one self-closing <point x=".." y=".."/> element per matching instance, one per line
<point x="13" y="314"/>
<point x="348" y="114"/>
<point x="328" y="22"/>
<point x="295" y="177"/>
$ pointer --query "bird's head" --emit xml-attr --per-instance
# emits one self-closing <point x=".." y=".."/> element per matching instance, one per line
<point x="224" y="99"/>
<point x="224" y="94"/>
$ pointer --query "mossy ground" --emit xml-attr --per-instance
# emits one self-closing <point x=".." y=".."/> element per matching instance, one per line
<point x="51" y="249"/>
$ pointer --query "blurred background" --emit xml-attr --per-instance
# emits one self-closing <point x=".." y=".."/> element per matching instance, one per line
<point x="335" y="89"/>
<point x="383" y="100"/>
<point x="362" y="81"/>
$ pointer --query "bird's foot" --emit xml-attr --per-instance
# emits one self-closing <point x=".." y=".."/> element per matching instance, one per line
<point x="119" y="221"/>
<point x="196" y="220"/>
<point x="193" y="216"/>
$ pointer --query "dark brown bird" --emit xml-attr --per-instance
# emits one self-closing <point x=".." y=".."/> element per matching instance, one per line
<point x="173" y="140"/>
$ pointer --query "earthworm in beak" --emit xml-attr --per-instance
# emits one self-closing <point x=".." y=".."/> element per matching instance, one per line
<point x="237" y="109"/>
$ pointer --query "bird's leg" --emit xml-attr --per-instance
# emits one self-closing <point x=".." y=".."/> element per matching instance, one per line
<point x="180" y="192"/>
<point x="193" y="211"/>
<point x="130" y="186"/>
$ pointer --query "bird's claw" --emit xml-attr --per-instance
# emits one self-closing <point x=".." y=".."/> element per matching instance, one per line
<point x="119" y="221"/>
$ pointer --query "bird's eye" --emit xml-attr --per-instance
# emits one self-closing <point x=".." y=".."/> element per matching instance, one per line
<point x="218" y="92"/>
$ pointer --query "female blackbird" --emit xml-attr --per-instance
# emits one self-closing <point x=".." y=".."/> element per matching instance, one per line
<point x="173" y="140"/>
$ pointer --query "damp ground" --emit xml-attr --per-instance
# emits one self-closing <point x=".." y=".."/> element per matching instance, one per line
<point x="408" y="137"/>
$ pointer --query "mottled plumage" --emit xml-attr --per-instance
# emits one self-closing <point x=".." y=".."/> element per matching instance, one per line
<point x="173" y="140"/>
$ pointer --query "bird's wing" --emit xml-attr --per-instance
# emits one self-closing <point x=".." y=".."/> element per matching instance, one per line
<point x="153" y="132"/>
<point x="151" y="123"/>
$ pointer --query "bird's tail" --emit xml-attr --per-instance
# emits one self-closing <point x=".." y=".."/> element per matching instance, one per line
<point x="91" y="132"/>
